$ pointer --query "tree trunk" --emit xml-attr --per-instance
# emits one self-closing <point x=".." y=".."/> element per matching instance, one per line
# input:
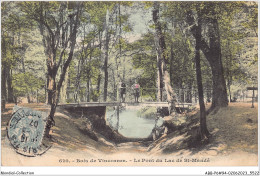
<point x="229" y="90"/>
<point x="28" y="98"/>
<point x="64" y="87"/>
<point x="182" y="95"/>
<point x="219" y="98"/>
<point x="3" y="72"/>
<point x="51" y="83"/>
<point x="3" y="88"/>
<point x="114" y="98"/>
<point x="189" y="93"/>
<point x="88" y="90"/>
<point x="77" y="85"/>
<point x="100" y="69"/>
<point x="106" y="56"/>
<point x="159" y="80"/>
<point x="3" y="83"/>
<point x="98" y="87"/>
<point x="161" y="47"/>
<point x="37" y="96"/>
<point x="203" y="125"/>
<point x="106" y="70"/>
<point x="208" y="95"/>
<point x="171" y="63"/>
<point x="10" y="95"/>
<point x="48" y="50"/>
<point x="195" y="96"/>
<point x="219" y="94"/>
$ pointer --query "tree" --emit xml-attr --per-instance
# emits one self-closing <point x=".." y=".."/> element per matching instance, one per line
<point x="106" y="45"/>
<point x="58" y="23"/>
<point x="180" y="62"/>
<point x="9" y="50"/>
<point x="164" y="78"/>
<point x="238" y="43"/>
<point x="25" y="83"/>
<point x="212" y="52"/>
<point x="144" y="58"/>
<point x="20" y="43"/>
<point x="115" y="46"/>
<point x="204" y="133"/>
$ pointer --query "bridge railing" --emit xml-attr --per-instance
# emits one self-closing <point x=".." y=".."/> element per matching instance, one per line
<point x="145" y="95"/>
<point x="114" y="95"/>
<point x="84" y="95"/>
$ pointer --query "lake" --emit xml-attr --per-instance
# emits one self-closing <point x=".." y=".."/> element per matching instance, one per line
<point x="130" y="124"/>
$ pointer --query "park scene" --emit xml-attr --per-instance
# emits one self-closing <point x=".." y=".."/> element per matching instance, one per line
<point x="129" y="83"/>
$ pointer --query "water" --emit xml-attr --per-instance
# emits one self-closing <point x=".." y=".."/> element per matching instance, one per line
<point x="130" y="124"/>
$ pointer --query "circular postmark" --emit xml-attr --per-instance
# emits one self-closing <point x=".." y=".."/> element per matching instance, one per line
<point x="26" y="130"/>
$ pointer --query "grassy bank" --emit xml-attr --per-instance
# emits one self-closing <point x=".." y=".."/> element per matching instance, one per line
<point x="233" y="129"/>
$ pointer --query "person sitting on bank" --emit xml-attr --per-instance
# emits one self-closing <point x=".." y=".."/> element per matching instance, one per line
<point x="136" y="88"/>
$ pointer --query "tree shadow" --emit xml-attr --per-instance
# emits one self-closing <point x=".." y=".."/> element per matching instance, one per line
<point x="186" y="139"/>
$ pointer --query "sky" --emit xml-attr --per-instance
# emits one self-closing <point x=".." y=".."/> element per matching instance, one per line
<point x="139" y="19"/>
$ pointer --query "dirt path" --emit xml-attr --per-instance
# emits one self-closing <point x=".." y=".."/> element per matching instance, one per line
<point x="59" y="156"/>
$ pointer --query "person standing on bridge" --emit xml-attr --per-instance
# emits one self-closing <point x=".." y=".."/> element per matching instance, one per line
<point x="122" y="89"/>
<point x="136" y="88"/>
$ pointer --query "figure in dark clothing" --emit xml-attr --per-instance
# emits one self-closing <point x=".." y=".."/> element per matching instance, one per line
<point x="136" y="88"/>
<point x="122" y="91"/>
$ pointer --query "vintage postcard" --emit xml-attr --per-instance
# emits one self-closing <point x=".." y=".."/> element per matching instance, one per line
<point x="130" y="83"/>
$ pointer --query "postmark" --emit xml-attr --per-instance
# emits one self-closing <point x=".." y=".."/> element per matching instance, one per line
<point x="26" y="131"/>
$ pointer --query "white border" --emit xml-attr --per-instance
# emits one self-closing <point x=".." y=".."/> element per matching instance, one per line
<point x="130" y="170"/>
<point x="125" y="170"/>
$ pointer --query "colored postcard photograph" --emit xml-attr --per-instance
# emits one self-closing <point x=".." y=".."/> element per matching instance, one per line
<point x="129" y="83"/>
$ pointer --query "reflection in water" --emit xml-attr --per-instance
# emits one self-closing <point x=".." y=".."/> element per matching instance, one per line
<point x="130" y="124"/>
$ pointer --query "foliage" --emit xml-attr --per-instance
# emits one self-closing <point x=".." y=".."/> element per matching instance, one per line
<point x="23" y="51"/>
<point x="26" y="82"/>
